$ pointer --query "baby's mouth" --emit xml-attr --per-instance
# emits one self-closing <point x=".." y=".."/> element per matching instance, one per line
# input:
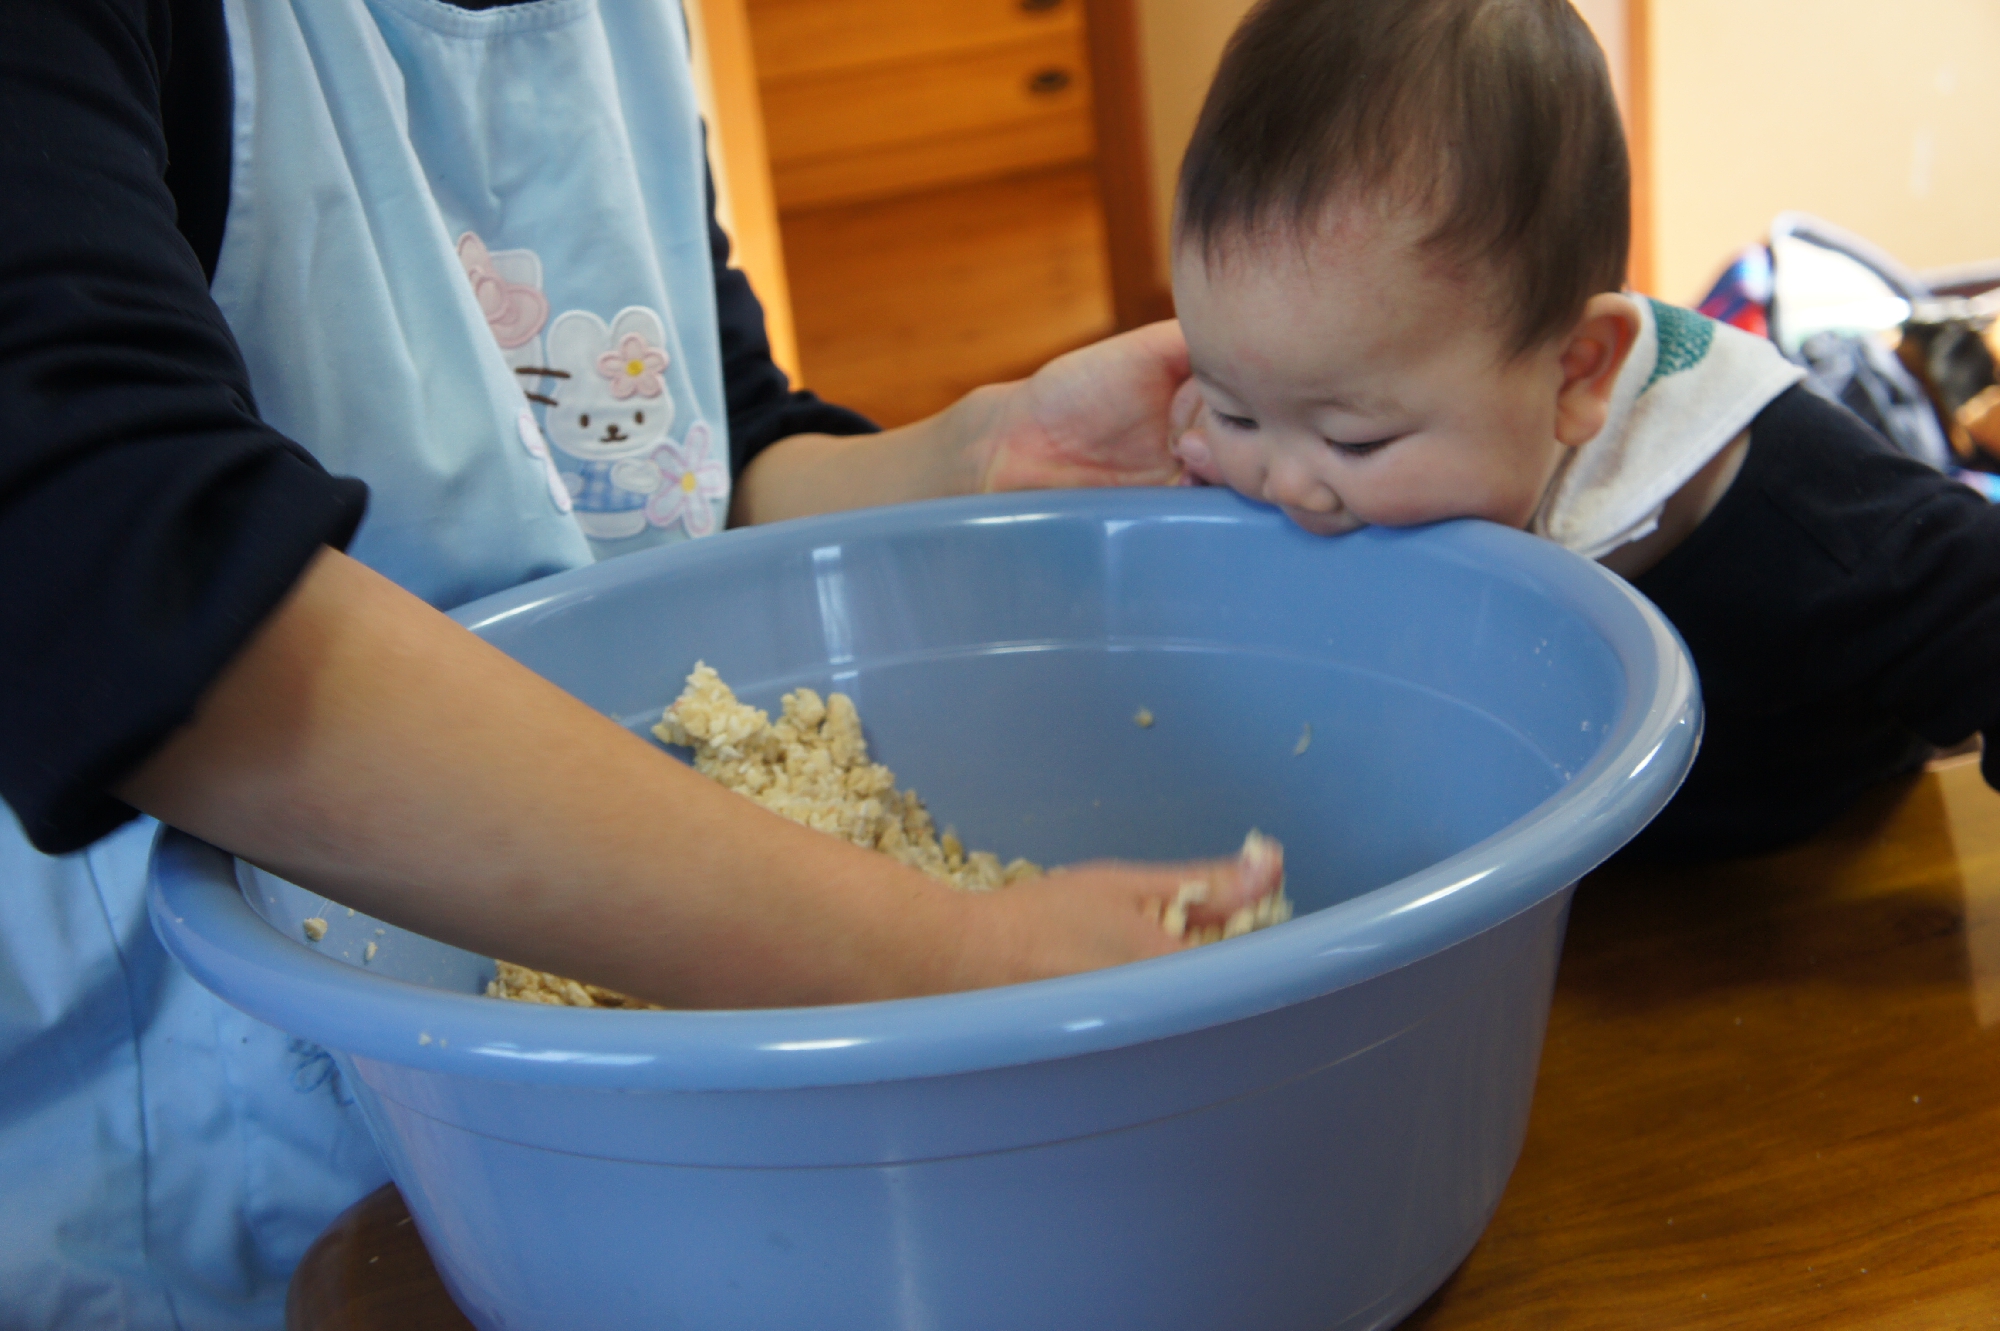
<point x="1337" y="523"/>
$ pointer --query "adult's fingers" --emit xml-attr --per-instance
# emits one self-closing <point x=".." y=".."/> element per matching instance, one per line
<point x="1224" y="898"/>
<point x="1207" y="899"/>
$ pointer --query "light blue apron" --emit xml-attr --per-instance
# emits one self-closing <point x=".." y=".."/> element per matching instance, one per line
<point x="467" y="261"/>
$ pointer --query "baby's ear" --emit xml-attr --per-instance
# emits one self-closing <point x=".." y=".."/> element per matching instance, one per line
<point x="1590" y="357"/>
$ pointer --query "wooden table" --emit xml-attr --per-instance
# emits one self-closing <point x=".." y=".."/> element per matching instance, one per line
<point x="1770" y="1097"/>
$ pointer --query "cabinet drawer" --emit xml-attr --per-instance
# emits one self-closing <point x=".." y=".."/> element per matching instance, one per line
<point x="931" y="163"/>
<point x="855" y="134"/>
<point x="793" y="37"/>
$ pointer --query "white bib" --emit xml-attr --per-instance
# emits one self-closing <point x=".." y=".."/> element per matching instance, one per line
<point x="1689" y="386"/>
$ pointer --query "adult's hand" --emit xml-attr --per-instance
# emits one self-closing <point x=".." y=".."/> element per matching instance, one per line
<point x="1099" y="416"/>
<point x="1105" y="913"/>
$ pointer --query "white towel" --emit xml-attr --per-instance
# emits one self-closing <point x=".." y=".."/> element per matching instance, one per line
<point x="1688" y="387"/>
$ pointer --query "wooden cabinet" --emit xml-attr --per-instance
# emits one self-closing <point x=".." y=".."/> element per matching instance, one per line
<point x="866" y="99"/>
<point x="794" y="37"/>
<point x="946" y="180"/>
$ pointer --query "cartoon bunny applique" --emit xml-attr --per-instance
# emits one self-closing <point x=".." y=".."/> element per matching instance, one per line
<point x="612" y="420"/>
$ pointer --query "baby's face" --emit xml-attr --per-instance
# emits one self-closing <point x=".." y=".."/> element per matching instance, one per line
<point x="1349" y="381"/>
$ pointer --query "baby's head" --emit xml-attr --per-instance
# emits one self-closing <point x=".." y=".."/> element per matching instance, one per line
<point x="1399" y="243"/>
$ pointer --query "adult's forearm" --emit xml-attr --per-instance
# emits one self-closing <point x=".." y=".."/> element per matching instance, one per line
<point x="367" y="747"/>
<point x="819" y="473"/>
<point x="1096" y="416"/>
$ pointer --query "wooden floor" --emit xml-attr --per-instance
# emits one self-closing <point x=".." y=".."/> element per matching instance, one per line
<point x="1770" y="1095"/>
<point x="903" y="305"/>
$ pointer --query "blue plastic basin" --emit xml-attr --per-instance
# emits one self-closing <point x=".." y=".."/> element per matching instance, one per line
<point x="1306" y="1128"/>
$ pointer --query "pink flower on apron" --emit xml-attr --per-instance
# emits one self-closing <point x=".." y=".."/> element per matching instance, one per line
<point x="692" y="480"/>
<point x="633" y="368"/>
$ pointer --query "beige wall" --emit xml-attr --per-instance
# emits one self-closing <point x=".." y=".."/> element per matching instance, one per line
<point x="1180" y="42"/>
<point x="1881" y="118"/>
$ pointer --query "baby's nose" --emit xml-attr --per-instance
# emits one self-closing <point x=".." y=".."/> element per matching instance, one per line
<point x="1295" y="487"/>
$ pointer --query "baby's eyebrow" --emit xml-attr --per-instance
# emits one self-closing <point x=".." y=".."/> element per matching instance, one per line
<point x="1207" y="380"/>
<point x="1353" y="407"/>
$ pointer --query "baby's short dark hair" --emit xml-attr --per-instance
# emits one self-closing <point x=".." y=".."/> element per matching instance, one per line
<point x="1493" y="119"/>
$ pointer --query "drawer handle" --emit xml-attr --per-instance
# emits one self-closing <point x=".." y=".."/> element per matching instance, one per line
<point x="1048" y="82"/>
<point x="1039" y="6"/>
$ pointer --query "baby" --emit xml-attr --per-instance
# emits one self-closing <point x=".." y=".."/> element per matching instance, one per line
<point x="1399" y="259"/>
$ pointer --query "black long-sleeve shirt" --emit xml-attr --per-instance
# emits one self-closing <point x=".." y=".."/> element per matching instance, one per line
<point x="148" y="519"/>
<point x="1842" y="605"/>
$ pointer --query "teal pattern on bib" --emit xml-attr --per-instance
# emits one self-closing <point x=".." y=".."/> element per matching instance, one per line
<point x="1684" y="339"/>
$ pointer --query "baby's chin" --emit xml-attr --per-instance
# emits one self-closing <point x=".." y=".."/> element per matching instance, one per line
<point x="1325" y="524"/>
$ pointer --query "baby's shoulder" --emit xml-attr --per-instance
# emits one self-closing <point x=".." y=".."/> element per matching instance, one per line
<point x="1827" y="531"/>
<point x="1839" y="485"/>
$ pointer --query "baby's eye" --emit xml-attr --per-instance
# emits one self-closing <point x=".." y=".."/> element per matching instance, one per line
<point x="583" y="421"/>
<point x="1233" y="422"/>
<point x="1360" y="449"/>
<point x="638" y="418"/>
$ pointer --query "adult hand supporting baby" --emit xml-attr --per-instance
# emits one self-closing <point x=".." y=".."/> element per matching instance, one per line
<point x="1098" y="416"/>
<point x="369" y="748"/>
